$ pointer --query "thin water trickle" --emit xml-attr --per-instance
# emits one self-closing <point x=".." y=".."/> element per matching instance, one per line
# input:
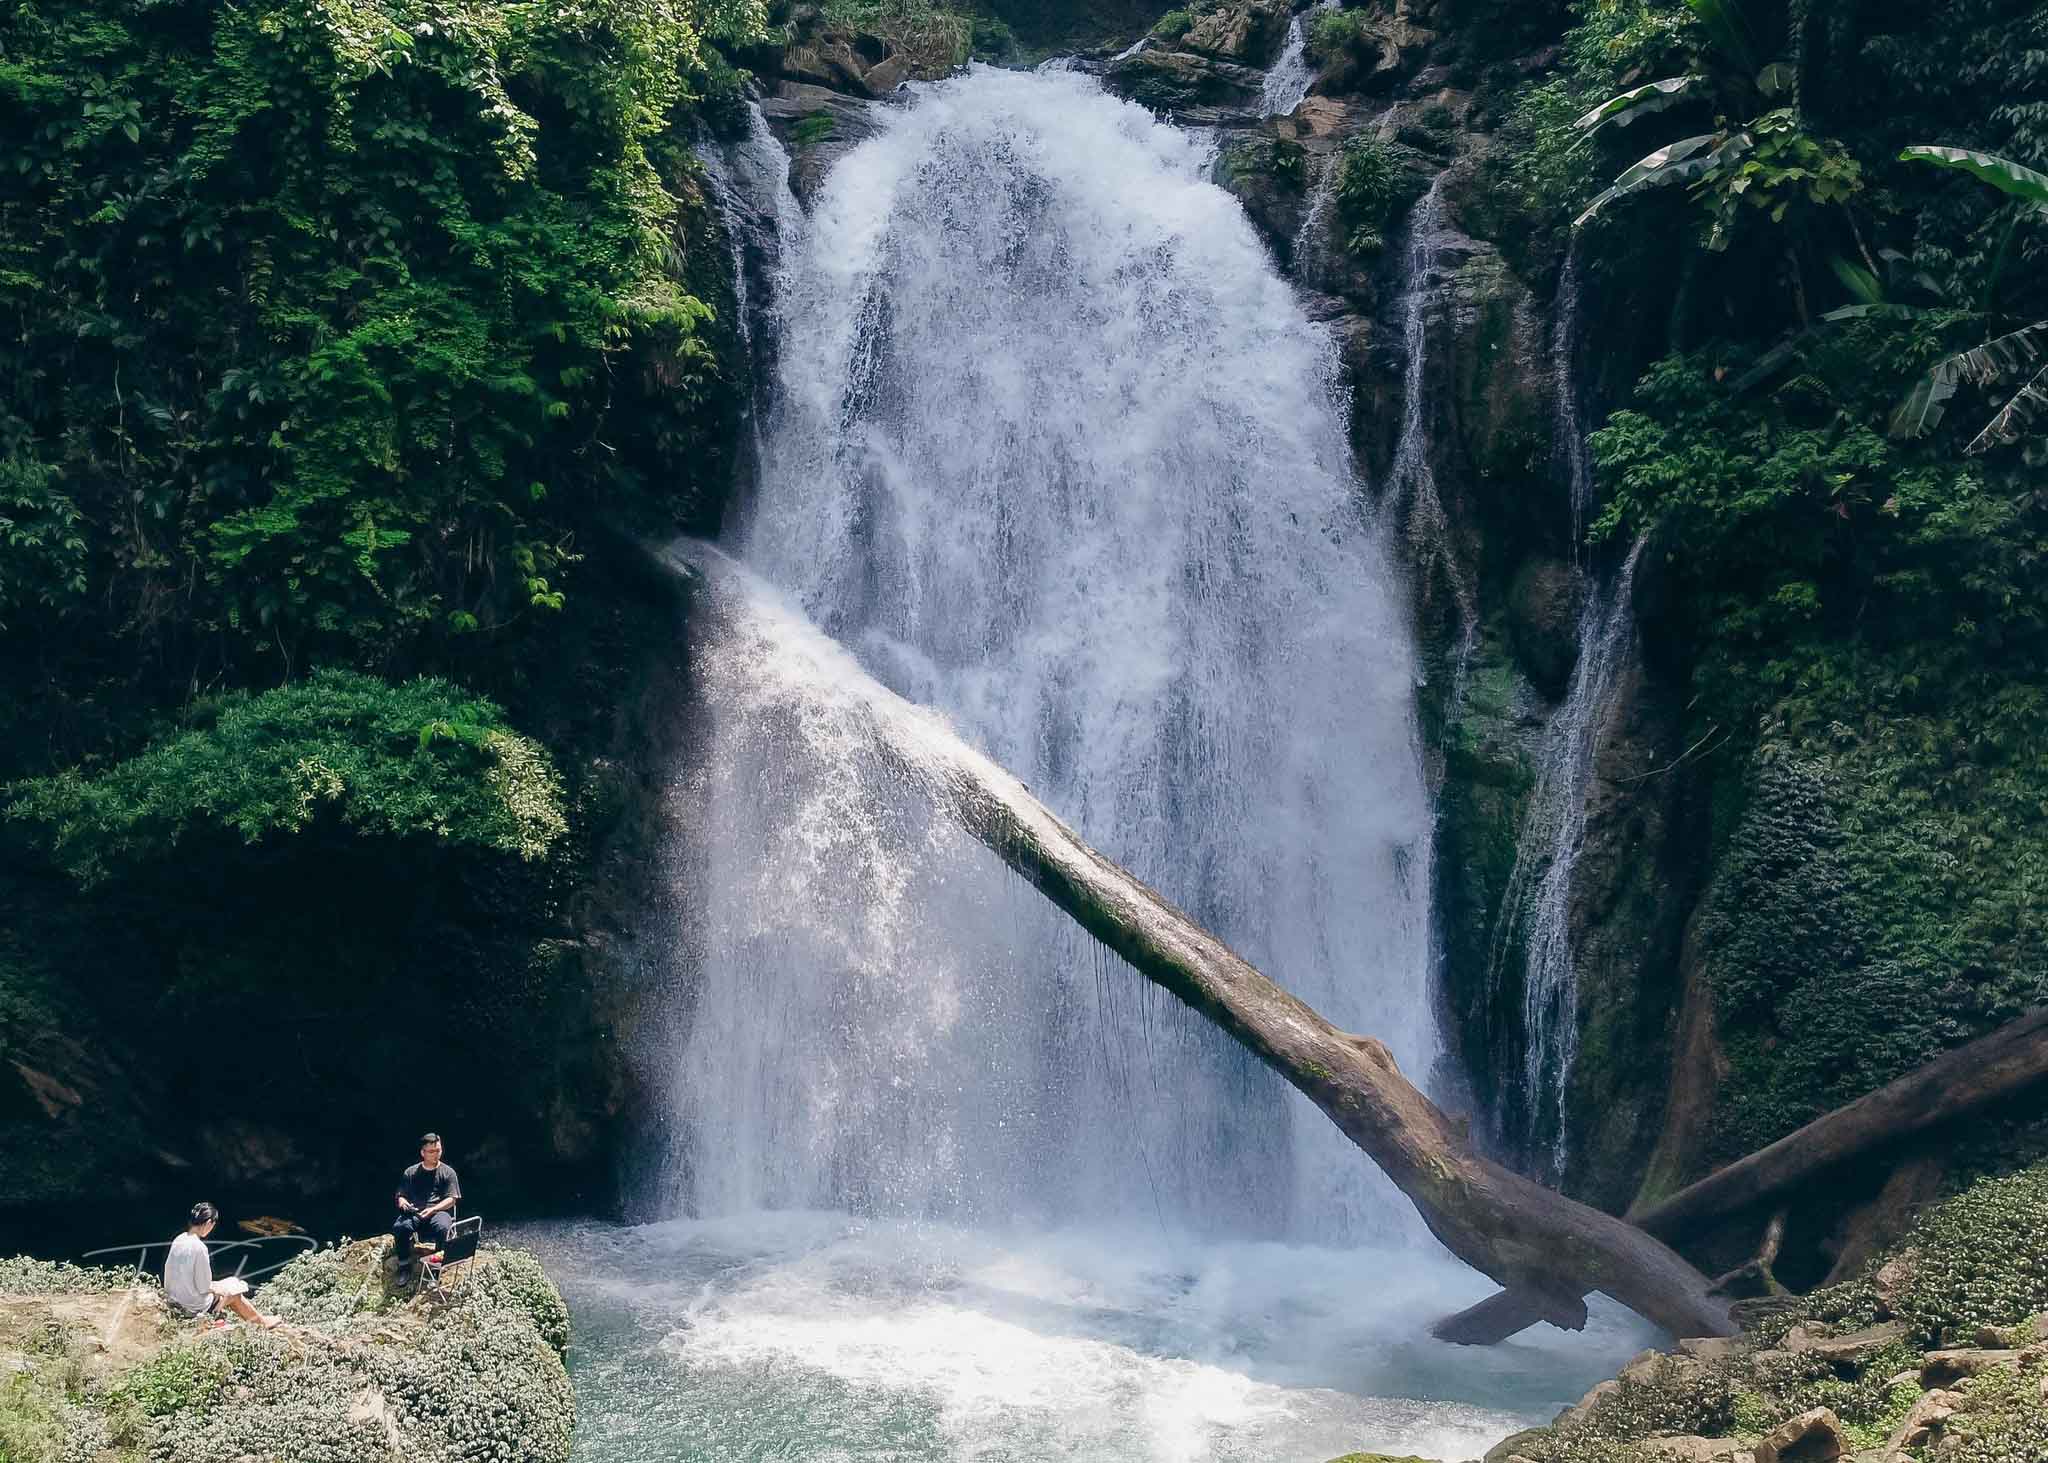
<point x="1534" y="925"/>
<point x="1569" y="420"/>
<point x="1411" y="482"/>
<point x="1535" y="917"/>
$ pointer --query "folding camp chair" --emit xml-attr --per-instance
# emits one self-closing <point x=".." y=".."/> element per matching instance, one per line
<point x="463" y="1240"/>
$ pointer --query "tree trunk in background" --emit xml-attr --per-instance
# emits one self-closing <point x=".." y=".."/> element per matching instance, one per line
<point x="1991" y="1068"/>
<point x="1534" y="1242"/>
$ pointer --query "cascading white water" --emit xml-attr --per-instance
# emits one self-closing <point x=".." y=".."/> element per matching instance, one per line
<point x="1411" y="482"/>
<point x="1052" y="451"/>
<point x="1536" y="911"/>
<point x="1055" y="451"/>
<point x="1289" y="77"/>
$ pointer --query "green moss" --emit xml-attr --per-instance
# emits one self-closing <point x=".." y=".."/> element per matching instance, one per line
<point x="1173" y="25"/>
<point x="810" y="131"/>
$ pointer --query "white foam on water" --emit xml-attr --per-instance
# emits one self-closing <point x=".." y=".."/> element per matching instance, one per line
<point x="1107" y="1345"/>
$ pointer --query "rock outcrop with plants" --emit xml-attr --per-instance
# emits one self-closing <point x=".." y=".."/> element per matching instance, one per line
<point x="94" y="1366"/>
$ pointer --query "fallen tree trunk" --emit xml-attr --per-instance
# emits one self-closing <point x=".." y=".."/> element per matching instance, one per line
<point x="1514" y="1230"/>
<point x="1521" y="1234"/>
<point x="1991" y="1068"/>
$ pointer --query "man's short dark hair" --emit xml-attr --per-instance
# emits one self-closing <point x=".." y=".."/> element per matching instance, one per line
<point x="426" y="1138"/>
<point x="202" y="1213"/>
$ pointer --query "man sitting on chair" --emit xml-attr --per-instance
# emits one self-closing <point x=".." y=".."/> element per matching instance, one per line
<point x="426" y="1201"/>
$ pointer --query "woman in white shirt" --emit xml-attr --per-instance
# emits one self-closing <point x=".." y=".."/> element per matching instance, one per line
<point x="188" y="1274"/>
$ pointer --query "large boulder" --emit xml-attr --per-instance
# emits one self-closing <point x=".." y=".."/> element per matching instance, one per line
<point x="1175" y="81"/>
<point x="1814" y="1436"/>
<point x="1247" y="32"/>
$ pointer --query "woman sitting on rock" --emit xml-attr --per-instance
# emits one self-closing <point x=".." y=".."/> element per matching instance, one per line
<point x="188" y="1274"/>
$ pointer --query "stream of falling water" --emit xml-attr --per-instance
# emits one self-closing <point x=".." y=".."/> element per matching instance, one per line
<point x="1288" y="78"/>
<point x="1053" y="452"/>
<point x="1534" y="925"/>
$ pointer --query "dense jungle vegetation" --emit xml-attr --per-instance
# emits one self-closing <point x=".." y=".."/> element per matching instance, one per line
<point x="347" y="348"/>
<point x="1839" y="457"/>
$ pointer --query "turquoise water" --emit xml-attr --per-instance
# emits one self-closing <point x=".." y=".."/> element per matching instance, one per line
<point x="818" y="1336"/>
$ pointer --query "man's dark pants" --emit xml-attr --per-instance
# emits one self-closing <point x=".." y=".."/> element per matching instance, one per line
<point x="433" y="1230"/>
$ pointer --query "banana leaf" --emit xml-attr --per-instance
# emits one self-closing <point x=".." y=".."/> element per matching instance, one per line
<point x="2024" y="416"/>
<point x="1651" y="96"/>
<point x="1980" y="365"/>
<point x="2001" y="173"/>
<point x="1679" y="162"/>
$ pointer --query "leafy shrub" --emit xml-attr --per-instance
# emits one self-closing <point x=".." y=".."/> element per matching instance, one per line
<point x="20" y="1275"/>
<point x="1333" y="33"/>
<point x="1367" y="170"/>
<point x="990" y="38"/>
<point x="517" y="1281"/>
<point x="181" y="1378"/>
<point x="420" y="760"/>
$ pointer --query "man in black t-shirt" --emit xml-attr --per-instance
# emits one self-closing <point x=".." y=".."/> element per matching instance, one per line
<point x="426" y="1201"/>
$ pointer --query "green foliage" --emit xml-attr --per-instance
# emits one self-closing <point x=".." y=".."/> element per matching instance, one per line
<point x="20" y="1276"/>
<point x="1367" y="174"/>
<point x="33" y="1427"/>
<point x="1980" y="1258"/>
<point x="1173" y="25"/>
<point x="318" y="315"/>
<point x="990" y="38"/>
<point x="1333" y="33"/>
<point x="177" y="1379"/>
<point x="420" y="760"/>
<point x="1868" y="621"/>
<point x="2001" y="1419"/>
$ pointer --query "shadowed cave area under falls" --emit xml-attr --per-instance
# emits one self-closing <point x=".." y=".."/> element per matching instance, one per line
<point x="1049" y="448"/>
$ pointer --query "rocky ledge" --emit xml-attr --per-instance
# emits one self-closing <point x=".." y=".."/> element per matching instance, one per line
<point x="94" y="1368"/>
<point x="1938" y="1353"/>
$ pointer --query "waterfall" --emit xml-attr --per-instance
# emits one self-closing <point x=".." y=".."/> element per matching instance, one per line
<point x="1054" y="452"/>
<point x="1568" y="411"/>
<point x="1411" y="481"/>
<point x="1537" y="906"/>
<point x="1288" y="78"/>
<point x="1538" y="900"/>
<point x="1049" y="451"/>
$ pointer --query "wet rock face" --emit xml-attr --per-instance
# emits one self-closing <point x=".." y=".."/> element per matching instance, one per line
<point x="1543" y="604"/>
<point x="1248" y="32"/>
<point x="818" y="126"/>
<point x="1177" y="81"/>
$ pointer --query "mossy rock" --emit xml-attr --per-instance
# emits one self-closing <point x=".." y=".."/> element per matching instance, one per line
<point x="96" y="1364"/>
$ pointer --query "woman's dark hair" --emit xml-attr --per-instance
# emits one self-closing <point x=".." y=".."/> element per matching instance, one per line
<point x="203" y="1213"/>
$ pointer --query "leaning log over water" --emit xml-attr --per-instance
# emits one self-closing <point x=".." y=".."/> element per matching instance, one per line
<point x="1532" y="1241"/>
<point x="1989" y="1069"/>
